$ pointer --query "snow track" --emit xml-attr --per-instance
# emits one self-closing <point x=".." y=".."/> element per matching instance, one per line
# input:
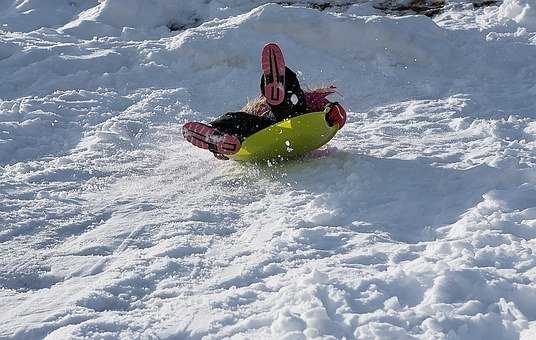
<point x="418" y="221"/>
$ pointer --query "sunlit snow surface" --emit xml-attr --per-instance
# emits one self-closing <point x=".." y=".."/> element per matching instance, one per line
<point x="418" y="221"/>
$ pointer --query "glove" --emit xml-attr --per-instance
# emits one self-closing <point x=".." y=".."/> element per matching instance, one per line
<point x="335" y="114"/>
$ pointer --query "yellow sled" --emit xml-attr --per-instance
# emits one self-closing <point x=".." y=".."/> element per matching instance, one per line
<point x="287" y="139"/>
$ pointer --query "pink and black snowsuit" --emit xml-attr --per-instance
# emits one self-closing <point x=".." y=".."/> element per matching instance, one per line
<point x="295" y="103"/>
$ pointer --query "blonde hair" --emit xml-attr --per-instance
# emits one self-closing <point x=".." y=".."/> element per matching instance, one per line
<point x="257" y="106"/>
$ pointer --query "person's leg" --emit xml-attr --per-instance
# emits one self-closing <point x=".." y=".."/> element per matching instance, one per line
<point x="224" y="136"/>
<point x="279" y="85"/>
<point x="207" y="137"/>
<point x="294" y="103"/>
<point x="241" y="124"/>
<point x="273" y="70"/>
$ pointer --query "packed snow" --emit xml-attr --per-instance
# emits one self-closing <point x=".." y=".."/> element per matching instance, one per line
<point x="417" y="221"/>
<point x="521" y="11"/>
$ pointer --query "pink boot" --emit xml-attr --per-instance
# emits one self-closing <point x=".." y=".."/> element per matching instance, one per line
<point x="206" y="137"/>
<point x="273" y="68"/>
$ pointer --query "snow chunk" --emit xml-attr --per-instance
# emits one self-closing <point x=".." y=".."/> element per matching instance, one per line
<point x="288" y="322"/>
<point x="521" y="11"/>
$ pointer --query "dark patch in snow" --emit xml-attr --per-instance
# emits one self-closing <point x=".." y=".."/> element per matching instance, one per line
<point x="177" y="26"/>
<point x="429" y="8"/>
<point x="484" y="3"/>
<point x="425" y="7"/>
<point x="320" y="5"/>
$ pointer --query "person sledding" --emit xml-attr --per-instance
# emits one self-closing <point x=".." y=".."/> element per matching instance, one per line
<point x="281" y="98"/>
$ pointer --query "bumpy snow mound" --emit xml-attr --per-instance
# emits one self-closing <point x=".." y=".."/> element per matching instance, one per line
<point x="111" y="16"/>
<point x="521" y="11"/>
<point x="88" y="18"/>
<point x="320" y="35"/>
<point x="28" y="15"/>
<point x="145" y="14"/>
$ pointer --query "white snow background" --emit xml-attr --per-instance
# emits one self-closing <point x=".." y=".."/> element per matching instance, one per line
<point x="418" y="221"/>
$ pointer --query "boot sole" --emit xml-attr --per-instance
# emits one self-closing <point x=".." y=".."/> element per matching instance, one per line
<point x="206" y="137"/>
<point x="273" y="68"/>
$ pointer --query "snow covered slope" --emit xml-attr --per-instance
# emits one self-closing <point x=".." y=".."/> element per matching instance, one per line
<point x="417" y="222"/>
